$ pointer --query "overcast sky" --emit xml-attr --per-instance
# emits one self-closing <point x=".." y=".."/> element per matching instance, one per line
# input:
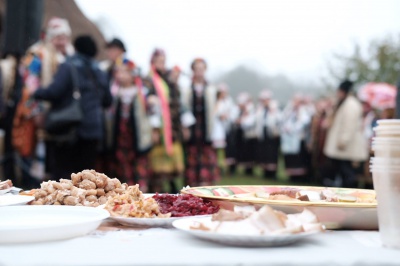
<point x="275" y="36"/>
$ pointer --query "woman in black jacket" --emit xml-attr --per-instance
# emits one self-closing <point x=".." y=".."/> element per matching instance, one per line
<point x="80" y="154"/>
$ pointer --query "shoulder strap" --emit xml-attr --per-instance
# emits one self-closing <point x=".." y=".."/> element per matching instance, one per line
<point x="76" y="94"/>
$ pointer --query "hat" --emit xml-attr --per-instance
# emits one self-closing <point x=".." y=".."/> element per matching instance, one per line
<point x="56" y="27"/>
<point x="265" y="94"/>
<point x="85" y="45"/>
<point x="346" y="86"/>
<point x="116" y="43"/>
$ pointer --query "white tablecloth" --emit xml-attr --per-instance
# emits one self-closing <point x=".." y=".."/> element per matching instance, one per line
<point x="157" y="246"/>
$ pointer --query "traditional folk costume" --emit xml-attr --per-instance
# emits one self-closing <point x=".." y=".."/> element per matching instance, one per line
<point x="131" y="136"/>
<point x="232" y="140"/>
<point x="246" y="135"/>
<point x="10" y="89"/>
<point x="319" y="128"/>
<point x="201" y="167"/>
<point x="38" y="68"/>
<point x="249" y="134"/>
<point x="268" y="132"/>
<point x="166" y="158"/>
<point x="222" y="122"/>
<point x="294" y="123"/>
<point x="106" y="149"/>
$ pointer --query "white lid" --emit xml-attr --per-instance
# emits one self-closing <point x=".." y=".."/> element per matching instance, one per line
<point x="386" y="138"/>
<point x="385" y="170"/>
<point x="385" y="161"/>
<point x="385" y="146"/>
<point x="391" y="129"/>
<point x="388" y="122"/>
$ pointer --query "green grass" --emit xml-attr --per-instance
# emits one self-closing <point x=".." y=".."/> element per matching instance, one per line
<point x="240" y="178"/>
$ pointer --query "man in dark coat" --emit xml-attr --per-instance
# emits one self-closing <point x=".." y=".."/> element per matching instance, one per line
<point x="95" y="95"/>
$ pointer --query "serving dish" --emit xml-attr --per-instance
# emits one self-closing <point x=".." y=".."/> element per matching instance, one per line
<point x="11" y="200"/>
<point x="24" y="224"/>
<point x="243" y="240"/>
<point x="334" y="215"/>
<point x="148" y="222"/>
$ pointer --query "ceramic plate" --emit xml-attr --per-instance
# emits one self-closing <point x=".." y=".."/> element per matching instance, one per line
<point x="334" y="215"/>
<point x="145" y="222"/>
<point x="11" y="200"/>
<point x="150" y="222"/>
<point x="23" y="224"/>
<point x="4" y="191"/>
<point x="238" y="239"/>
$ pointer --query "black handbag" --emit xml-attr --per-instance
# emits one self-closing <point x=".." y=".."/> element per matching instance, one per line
<point x="62" y="123"/>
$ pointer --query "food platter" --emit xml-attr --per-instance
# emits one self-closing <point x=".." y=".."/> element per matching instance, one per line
<point x="244" y="240"/>
<point x="334" y="215"/>
<point x="24" y="224"/>
<point x="11" y="200"/>
<point x="136" y="209"/>
<point x="148" y="222"/>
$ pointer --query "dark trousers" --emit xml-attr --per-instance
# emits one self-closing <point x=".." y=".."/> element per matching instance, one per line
<point x="73" y="158"/>
<point x="346" y="170"/>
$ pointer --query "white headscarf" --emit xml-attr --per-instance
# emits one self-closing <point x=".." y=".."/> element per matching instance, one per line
<point x="243" y="98"/>
<point x="56" y="27"/>
<point x="265" y="94"/>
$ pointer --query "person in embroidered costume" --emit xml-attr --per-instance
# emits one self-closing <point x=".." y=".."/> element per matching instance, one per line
<point x="246" y="134"/>
<point x="169" y="126"/>
<point x="268" y="120"/>
<point x="201" y="157"/>
<point x="295" y="120"/>
<point x="116" y="55"/>
<point x="131" y="127"/>
<point x="39" y="65"/>
<point x="115" y="50"/>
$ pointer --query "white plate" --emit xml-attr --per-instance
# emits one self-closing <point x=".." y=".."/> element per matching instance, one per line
<point x="11" y="200"/>
<point x="242" y="240"/>
<point x="22" y="224"/>
<point x="4" y="191"/>
<point x="150" y="222"/>
<point x="145" y="222"/>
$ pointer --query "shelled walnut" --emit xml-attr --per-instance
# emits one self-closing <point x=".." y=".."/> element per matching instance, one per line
<point x="86" y="188"/>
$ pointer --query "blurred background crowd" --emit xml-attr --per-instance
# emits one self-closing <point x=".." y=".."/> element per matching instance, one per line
<point x="63" y="110"/>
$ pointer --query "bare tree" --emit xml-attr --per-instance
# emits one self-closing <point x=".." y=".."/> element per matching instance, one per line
<point x="378" y="62"/>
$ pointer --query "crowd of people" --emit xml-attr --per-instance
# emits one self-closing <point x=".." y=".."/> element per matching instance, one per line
<point x="324" y="141"/>
<point x="72" y="113"/>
